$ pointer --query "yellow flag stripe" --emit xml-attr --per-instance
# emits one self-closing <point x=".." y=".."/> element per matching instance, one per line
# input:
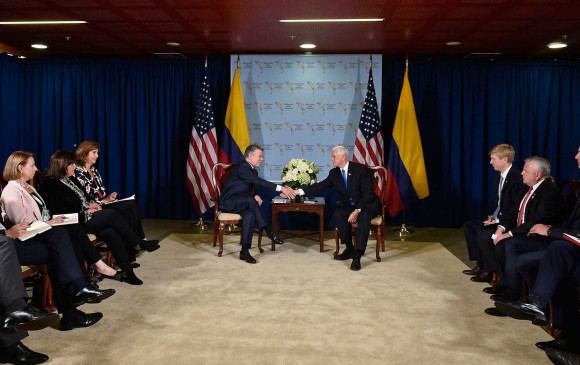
<point x="236" y="121"/>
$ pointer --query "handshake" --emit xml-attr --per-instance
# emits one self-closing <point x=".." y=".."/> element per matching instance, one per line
<point x="288" y="192"/>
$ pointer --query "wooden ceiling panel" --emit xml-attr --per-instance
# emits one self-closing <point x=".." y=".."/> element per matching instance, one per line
<point x="232" y="26"/>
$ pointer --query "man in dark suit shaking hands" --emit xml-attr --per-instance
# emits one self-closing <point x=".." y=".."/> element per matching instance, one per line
<point x="238" y="197"/>
<point x="359" y="202"/>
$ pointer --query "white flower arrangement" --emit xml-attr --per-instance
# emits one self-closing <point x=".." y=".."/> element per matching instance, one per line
<point x="299" y="173"/>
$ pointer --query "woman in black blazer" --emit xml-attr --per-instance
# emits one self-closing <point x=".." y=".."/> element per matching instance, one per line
<point x="63" y="194"/>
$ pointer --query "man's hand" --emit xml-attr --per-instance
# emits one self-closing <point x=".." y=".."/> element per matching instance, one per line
<point x="489" y="221"/>
<point x="353" y="216"/>
<point x="540" y="229"/>
<point x="17" y="230"/>
<point x="288" y="192"/>
<point x="258" y="199"/>
<point x="500" y="237"/>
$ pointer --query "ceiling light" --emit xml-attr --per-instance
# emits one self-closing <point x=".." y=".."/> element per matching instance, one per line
<point x="453" y="43"/>
<point x="556" y="45"/>
<point x="25" y="22"/>
<point x="330" y="20"/>
<point x="21" y="56"/>
<point x="39" y="46"/>
<point x="173" y="44"/>
<point x="307" y="45"/>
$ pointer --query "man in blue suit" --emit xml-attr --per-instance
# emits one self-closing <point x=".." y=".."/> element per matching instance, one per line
<point x="238" y="197"/>
<point x="360" y="203"/>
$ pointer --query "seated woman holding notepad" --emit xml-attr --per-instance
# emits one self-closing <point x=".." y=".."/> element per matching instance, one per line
<point x="88" y="176"/>
<point x="22" y="204"/>
<point x="63" y="194"/>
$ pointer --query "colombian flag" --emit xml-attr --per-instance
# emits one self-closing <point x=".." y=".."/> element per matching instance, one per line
<point x="407" y="178"/>
<point x="235" y="137"/>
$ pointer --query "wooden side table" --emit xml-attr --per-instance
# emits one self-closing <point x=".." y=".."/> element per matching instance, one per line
<point x="316" y="208"/>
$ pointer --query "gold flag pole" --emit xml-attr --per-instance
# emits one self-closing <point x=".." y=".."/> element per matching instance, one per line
<point x="201" y="225"/>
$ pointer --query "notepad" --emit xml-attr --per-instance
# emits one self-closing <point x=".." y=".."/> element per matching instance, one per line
<point x="35" y="228"/>
<point x="69" y="218"/>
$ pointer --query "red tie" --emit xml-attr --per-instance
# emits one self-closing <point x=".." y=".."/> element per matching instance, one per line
<point x="523" y="207"/>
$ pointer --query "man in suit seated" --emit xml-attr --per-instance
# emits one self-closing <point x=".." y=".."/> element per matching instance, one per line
<point x="508" y="190"/>
<point x="238" y="197"/>
<point x="15" y="316"/>
<point x="542" y="203"/>
<point x="359" y="203"/>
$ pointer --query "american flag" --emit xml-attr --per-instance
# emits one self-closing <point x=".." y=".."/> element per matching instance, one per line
<point x="202" y="152"/>
<point x="368" y="147"/>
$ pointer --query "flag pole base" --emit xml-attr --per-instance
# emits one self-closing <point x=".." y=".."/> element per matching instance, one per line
<point x="403" y="231"/>
<point x="201" y="225"/>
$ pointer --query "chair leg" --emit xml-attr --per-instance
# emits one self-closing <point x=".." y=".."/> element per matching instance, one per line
<point x="379" y="243"/>
<point x="215" y="231"/>
<point x="337" y="242"/>
<point x="260" y="231"/>
<point x="221" y="239"/>
<point x="47" y="301"/>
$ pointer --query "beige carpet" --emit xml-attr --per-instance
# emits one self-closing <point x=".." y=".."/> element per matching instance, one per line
<point x="296" y="306"/>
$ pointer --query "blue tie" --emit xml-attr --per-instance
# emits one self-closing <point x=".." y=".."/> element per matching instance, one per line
<point x="344" y="177"/>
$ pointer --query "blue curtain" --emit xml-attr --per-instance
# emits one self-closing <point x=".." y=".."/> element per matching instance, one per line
<point x="141" y="111"/>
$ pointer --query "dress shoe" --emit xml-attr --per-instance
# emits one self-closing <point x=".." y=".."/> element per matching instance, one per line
<point x="347" y="254"/>
<point x="482" y="277"/>
<point x="562" y="343"/>
<point x="129" y="277"/>
<point x="275" y="237"/>
<point x="476" y="270"/>
<point x="21" y="355"/>
<point x="27" y="319"/>
<point x="82" y="320"/>
<point x="355" y="264"/>
<point x="525" y="310"/>
<point x="562" y="357"/>
<point x="149" y="246"/>
<point x="135" y="265"/>
<point x="90" y="294"/>
<point x="499" y="298"/>
<point x="493" y="312"/>
<point x="245" y="256"/>
<point x="493" y="290"/>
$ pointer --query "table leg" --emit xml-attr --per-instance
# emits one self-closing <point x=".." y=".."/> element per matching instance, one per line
<point x="321" y="231"/>
<point x="274" y="226"/>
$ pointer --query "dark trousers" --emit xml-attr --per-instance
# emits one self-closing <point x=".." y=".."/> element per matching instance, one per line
<point x="556" y="277"/>
<point x="11" y="286"/>
<point x="129" y="210"/>
<point x="341" y="214"/>
<point x="121" y="240"/>
<point x="54" y="248"/>
<point x="252" y="218"/>
<point x="515" y="247"/>
<point x="475" y="232"/>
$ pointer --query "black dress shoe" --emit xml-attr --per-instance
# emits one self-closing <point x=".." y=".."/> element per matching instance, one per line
<point x="275" y="237"/>
<point x="90" y="294"/>
<point x="149" y="246"/>
<point x="135" y="265"/>
<point x="562" y="343"/>
<point x="499" y="298"/>
<point x="494" y="312"/>
<point x="245" y="256"/>
<point x="559" y="357"/>
<point x="476" y="270"/>
<point x="525" y="310"/>
<point x="482" y="277"/>
<point x="27" y="319"/>
<point x="493" y="290"/>
<point x="80" y="321"/>
<point x="355" y="264"/>
<point x="129" y="277"/>
<point x="21" y="355"/>
<point x="347" y="254"/>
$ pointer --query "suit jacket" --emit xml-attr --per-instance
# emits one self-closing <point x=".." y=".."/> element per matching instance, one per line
<point x="360" y="190"/>
<point x="512" y="191"/>
<point x="60" y="199"/>
<point x="241" y="183"/>
<point x="18" y="205"/>
<point x="544" y="206"/>
<point x="571" y="225"/>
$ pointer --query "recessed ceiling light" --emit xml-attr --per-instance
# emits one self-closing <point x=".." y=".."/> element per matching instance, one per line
<point x="25" y="22"/>
<point x="307" y="45"/>
<point x="173" y="44"/>
<point x="556" y="45"/>
<point x="453" y="43"/>
<point x="331" y="20"/>
<point x="39" y="46"/>
<point x="21" y="56"/>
